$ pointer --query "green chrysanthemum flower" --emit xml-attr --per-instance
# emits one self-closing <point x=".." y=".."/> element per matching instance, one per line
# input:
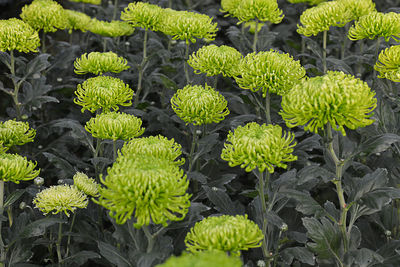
<point x="3" y="149"/>
<point x="259" y="146"/>
<point x="203" y="259"/>
<point x="262" y="10"/>
<point x="60" y="198"/>
<point x="188" y="26"/>
<point x="144" y="15"/>
<point x="154" y="146"/>
<point x="214" y="60"/>
<point x="77" y="20"/>
<point x="388" y="64"/>
<point x="86" y="185"/>
<point x="199" y="105"/>
<point x="319" y="18"/>
<point x="93" y="2"/>
<point x="115" y="126"/>
<point x="16" y="133"/>
<point x="114" y="28"/>
<point x="230" y="7"/>
<point x="18" y="35"/>
<point x="337" y="98"/>
<point x="375" y="25"/>
<point x="269" y="71"/>
<point x="359" y="8"/>
<point x="46" y="15"/>
<point x="103" y="92"/>
<point x="224" y="233"/>
<point x="99" y="63"/>
<point x="310" y="2"/>
<point x="15" y="168"/>
<point x="151" y="188"/>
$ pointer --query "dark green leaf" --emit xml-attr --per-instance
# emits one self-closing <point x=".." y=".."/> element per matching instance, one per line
<point x="113" y="255"/>
<point x="14" y="196"/>
<point x="38" y="228"/>
<point x="81" y="257"/>
<point x="221" y="200"/>
<point x="37" y="65"/>
<point x="305" y="203"/>
<point x="314" y="172"/>
<point x="301" y="254"/>
<point x="368" y="183"/>
<point x="378" y="143"/>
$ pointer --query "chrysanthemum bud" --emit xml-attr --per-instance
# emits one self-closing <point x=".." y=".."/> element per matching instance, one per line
<point x="113" y="28"/>
<point x="39" y="181"/>
<point x="86" y="185"/>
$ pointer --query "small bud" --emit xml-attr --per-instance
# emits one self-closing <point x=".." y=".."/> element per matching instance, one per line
<point x="214" y="188"/>
<point x="22" y="205"/>
<point x="152" y="103"/>
<point x="261" y="263"/>
<point x="127" y="43"/>
<point x="34" y="108"/>
<point x="59" y="79"/>
<point x="284" y="227"/>
<point x="38" y="181"/>
<point x="24" y="117"/>
<point x="198" y="132"/>
<point x="36" y="76"/>
<point x="40" y="147"/>
<point x="388" y="233"/>
<point x="60" y="181"/>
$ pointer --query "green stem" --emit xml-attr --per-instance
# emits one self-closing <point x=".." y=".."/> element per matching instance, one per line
<point x="141" y="69"/>
<point x="268" y="107"/>
<point x="16" y="86"/>
<point x="215" y="81"/>
<point x="324" y="39"/>
<point x="69" y="236"/>
<point x="44" y="42"/>
<point x="2" y="251"/>
<point x="115" y="10"/>
<point x="150" y="238"/>
<point x="339" y="189"/>
<point x="104" y="44"/>
<point x="378" y="44"/>
<point x="359" y="65"/>
<point x="192" y="149"/>
<point x="344" y="43"/>
<point x="186" y="65"/>
<point x="170" y="4"/>
<point x="261" y="186"/>
<point x="58" y="245"/>
<point x="255" y="39"/>
<point x="114" y="150"/>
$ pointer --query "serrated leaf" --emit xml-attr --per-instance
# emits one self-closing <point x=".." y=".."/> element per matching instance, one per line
<point x="81" y="257"/>
<point x="221" y="200"/>
<point x="38" y="228"/>
<point x="197" y="176"/>
<point x="368" y="183"/>
<point x="326" y="237"/>
<point x="301" y="254"/>
<point x="378" y="143"/>
<point x="305" y="203"/>
<point x="67" y="170"/>
<point x="37" y="65"/>
<point x="274" y="219"/>
<point x="113" y="255"/>
<point x="77" y="131"/>
<point x="14" y="196"/>
<point x="365" y="257"/>
<point x="311" y="172"/>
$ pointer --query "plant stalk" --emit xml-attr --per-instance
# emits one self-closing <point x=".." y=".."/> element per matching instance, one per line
<point x="339" y="189"/>
<point x="141" y="69"/>
<point x="69" y="236"/>
<point x="378" y="44"/>
<point x="16" y="86"/>
<point x="114" y="150"/>
<point x="255" y="39"/>
<point x="261" y="192"/>
<point x="150" y="238"/>
<point x="58" y="245"/>
<point x="115" y="9"/>
<point x="186" y="65"/>
<point x="2" y="250"/>
<point x="268" y="107"/>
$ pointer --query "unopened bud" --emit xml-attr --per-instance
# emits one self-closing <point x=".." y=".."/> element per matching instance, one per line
<point x="38" y="181"/>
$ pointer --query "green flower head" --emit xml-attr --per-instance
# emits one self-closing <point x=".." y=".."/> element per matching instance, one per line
<point x="3" y="149"/>
<point x="310" y="2"/>
<point x="199" y="105"/>
<point x="375" y="25"/>
<point x="230" y="7"/>
<point x="259" y="146"/>
<point x="335" y="98"/>
<point x="86" y="185"/>
<point x="103" y="92"/>
<point x="203" y="259"/>
<point x="224" y="233"/>
<point x="388" y="64"/>
<point x="188" y="26"/>
<point x="262" y="10"/>
<point x="319" y="18"/>
<point x="93" y="2"/>
<point x="98" y="63"/>
<point x="46" y="15"/>
<point x="16" y="133"/>
<point x="60" y="198"/>
<point x="269" y="71"/>
<point x="15" y="168"/>
<point x="115" y="126"/>
<point x="154" y="146"/>
<point x="15" y="34"/>
<point x="151" y="188"/>
<point x="214" y="60"/>
<point x="143" y="15"/>
<point x="114" y="28"/>
<point x="77" y="20"/>
<point x="359" y="8"/>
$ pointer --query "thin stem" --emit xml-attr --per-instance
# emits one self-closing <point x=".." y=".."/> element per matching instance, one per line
<point x="44" y="42"/>
<point x="277" y="249"/>
<point x="104" y="44"/>
<point x="2" y="251"/>
<point x="186" y="65"/>
<point x="69" y="236"/>
<point x="150" y="238"/>
<point x="16" y="86"/>
<point x="339" y="189"/>
<point x="141" y="69"/>
<point x="192" y="149"/>
<point x="378" y="44"/>
<point x="58" y="245"/>
<point x="115" y="10"/>
<point x="255" y="39"/>
<point x="215" y="81"/>
<point x="344" y="43"/>
<point x="268" y="107"/>
<point x="170" y="4"/>
<point x="114" y="149"/>
<point x="359" y="65"/>
<point x="324" y="37"/>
